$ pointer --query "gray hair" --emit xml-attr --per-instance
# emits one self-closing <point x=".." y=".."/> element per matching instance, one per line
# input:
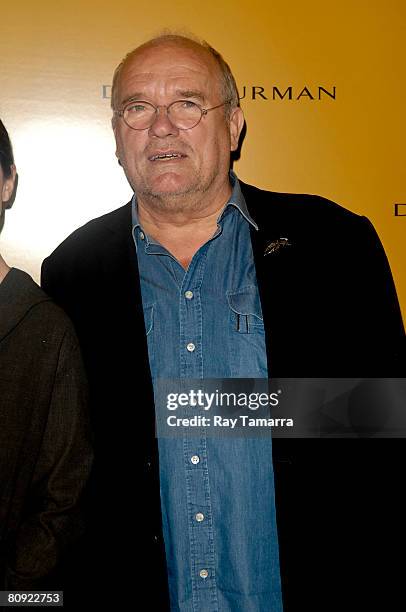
<point x="228" y="85"/>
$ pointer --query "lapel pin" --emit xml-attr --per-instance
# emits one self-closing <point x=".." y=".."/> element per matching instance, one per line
<point x="275" y="245"/>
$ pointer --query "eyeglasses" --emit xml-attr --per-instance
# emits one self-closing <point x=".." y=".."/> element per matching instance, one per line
<point x="183" y="114"/>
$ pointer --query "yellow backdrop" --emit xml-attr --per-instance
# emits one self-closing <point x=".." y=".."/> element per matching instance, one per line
<point x="324" y="102"/>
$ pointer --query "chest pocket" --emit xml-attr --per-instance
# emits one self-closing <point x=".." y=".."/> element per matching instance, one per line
<point x="246" y="313"/>
<point x="247" y="354"/>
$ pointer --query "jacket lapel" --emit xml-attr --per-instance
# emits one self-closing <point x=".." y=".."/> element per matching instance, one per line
<point x="270" y="258"/>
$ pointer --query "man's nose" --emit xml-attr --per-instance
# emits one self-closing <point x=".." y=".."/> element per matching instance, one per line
<point x="162" y="125"/>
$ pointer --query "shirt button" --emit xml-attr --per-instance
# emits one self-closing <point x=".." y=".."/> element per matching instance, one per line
<point x="199" y="517"/>
<point x="190" y="347"/>
<point x="195" y="459"/>
<point x="203" y="573"/>
<point x="188" y="295"/>
<point x="142" y="235"/>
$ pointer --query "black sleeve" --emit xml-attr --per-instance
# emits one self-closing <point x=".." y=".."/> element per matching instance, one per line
<point x="376" y="305"/>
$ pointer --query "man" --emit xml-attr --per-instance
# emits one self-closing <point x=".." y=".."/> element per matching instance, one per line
<point x="201" y="276"/>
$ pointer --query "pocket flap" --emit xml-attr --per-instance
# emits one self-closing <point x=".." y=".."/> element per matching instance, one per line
<point x="246" y="302"/>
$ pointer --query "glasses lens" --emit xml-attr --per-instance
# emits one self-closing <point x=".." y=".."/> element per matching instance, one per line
<point x="184" y="114"/>
<point x="139" y="115"/>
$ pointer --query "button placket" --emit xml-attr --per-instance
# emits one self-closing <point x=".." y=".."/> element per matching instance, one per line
<point x="200" y="522"/>
<point x="191" y="317"/>
<point x="201" y="534"/>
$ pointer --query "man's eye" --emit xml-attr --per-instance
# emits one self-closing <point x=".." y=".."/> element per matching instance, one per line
<point x="188" y="104"/>
<point x="136" y="108"/>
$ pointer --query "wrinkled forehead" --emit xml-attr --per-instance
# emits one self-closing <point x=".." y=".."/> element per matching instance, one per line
<point x="171" y="66"/>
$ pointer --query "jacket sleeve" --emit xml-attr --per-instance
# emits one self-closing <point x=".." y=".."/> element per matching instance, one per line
<point x="53" y="520"/>
<point x="383" y="334"/>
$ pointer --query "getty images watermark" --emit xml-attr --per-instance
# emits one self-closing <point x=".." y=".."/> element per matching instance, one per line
<point x="287" y="407"/>
<point x="223" y="403"/>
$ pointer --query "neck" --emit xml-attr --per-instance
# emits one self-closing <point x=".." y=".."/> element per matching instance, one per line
<point x="4" y="269"/>
<point x="182" y="231"/>
<point x="181" y="210"/>
<point x="153" y="220"/>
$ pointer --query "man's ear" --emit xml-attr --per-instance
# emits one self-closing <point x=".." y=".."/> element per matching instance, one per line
<point x="114" y="126"/>
<point x="9" y="184"/>
<point x="236" y="125"/>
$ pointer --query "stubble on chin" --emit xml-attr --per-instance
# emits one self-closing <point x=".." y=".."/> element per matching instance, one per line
<point x="189" y="198"/>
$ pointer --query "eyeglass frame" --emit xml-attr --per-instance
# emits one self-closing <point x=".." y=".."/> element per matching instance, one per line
<point x="203" y="112"/>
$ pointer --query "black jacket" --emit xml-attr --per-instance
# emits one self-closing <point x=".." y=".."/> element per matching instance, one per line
<point x="330" y="310"/>
<point x="45" y="452"/>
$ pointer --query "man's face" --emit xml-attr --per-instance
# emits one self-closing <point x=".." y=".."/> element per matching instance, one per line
<point x="160" y="75"/>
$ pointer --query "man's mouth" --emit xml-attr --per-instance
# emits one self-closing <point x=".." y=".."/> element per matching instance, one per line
<point x="166" y="156"/>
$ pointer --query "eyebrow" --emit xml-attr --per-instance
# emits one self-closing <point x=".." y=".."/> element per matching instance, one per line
<point x="183" y="94"/>
<point x="190" y="93"/>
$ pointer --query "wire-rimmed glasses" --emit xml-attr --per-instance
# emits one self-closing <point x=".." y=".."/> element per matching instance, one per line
<point x="183" y="114"/>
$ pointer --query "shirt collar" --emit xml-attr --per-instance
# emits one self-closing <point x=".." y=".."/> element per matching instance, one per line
<point x="236" y="199"/>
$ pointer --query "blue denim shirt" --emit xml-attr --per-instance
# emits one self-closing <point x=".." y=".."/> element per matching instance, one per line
<point x="217" y="494"/>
